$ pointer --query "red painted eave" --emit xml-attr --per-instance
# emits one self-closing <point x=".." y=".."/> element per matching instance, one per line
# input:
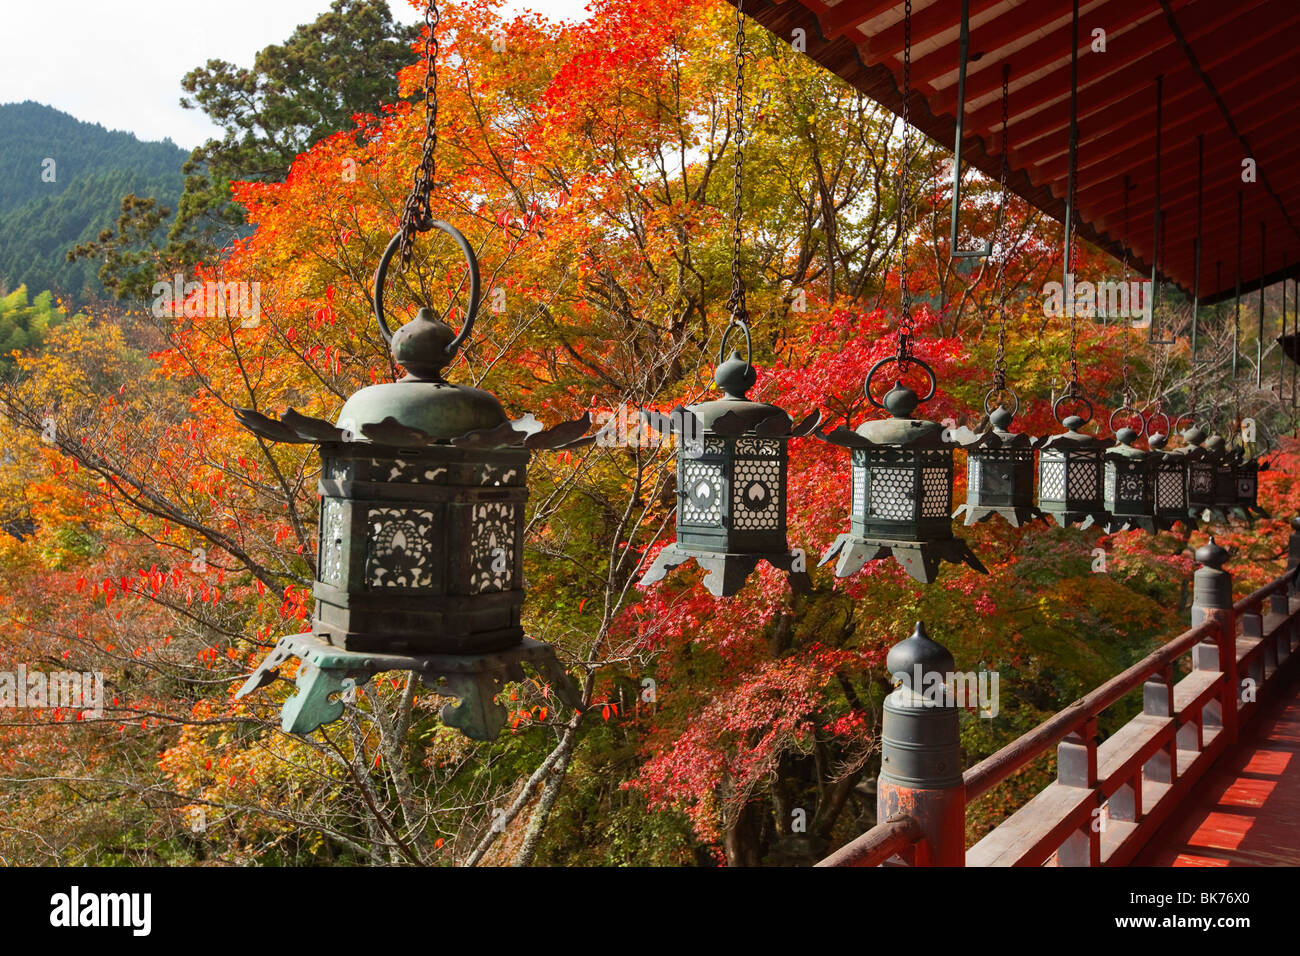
<point x="1231" y="75"/>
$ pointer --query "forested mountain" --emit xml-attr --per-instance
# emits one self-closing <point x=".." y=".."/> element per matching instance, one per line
<point x="47" y="208"/>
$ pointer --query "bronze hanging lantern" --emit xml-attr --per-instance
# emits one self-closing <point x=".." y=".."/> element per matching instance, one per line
<point x="731" y="483"/>
<point x="1200" y="474"/>
<point x="732" y="452"/>
<point x="1248" y="486"/>
<point x="421" y="529"/>
<point x="1225" y="478"/>
<point x="902" y="468"/>
<point x="901" y="498"/>
<point x="999" y="469"/>
<point x="999" y="462"/>
<point x="1128" y="493"/>
<point x="1070" y="470"/>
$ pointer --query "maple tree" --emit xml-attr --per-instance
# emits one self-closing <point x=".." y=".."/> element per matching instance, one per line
<point x="590" y="166"/>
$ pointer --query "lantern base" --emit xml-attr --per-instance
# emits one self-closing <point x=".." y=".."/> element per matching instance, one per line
<point x="724" y="573"/>
<point x="474" y="679"/>
<point x="1012" y="515"/>
<point x="1220" y="515"/>
<point x="1081" y="519"/>
<point x="1148" y="523"/>
<point x="920" y="559"/>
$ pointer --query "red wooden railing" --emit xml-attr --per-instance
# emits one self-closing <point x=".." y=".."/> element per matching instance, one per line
<point x="1110" y="796"/>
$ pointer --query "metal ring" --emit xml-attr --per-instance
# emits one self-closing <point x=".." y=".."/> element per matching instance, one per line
<point x="995" y="390"/>
<point x="1192" y="415"/>
<point x="749" y="345"/>
<point x="1070" y="395"/>
<point x="866" y="386"/>
<point x="1169" y="425"/>
<point x="1111" y="423"/>
<point x="381" y="273"/>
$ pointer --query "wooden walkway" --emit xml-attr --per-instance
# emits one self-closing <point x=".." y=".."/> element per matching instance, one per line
<point x="1246" y="811"/>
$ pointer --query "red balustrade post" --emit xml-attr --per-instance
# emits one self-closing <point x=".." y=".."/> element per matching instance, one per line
<point x="920" y="769"/>
<point x="1212" y="601"/>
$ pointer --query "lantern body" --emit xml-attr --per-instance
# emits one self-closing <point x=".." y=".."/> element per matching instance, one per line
<point x="731" y="494"/>
<point x="421" y="549"/>
<point x="731" y="487"/>
<point x="1128" y="493"/>
<point x="1168" y="483"/>
<point x="901" y="494"/>
<point x="1070" y="473"/>
<point x="1225" y="478"/>
<point x="999" y="473"/>
<point x="1200" y="483"/>
<point x="1248" y="488"/>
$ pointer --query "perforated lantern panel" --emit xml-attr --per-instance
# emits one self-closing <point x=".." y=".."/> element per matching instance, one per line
<point x="892" y="494"/>
<point x="1170" y="492"/>
<point x="492" y="548"/>
<point x="756" y="495"/>
<point x="1110" y="488"/>
<point x="936" y="492"/>
<point x="407" y="538"/>
<point x="330" y="552"/>
<point x="702" y="493"/>
<point x="400" y="548"/>
<point x="1051" y="476"/>
<point x="1083" y="476"/>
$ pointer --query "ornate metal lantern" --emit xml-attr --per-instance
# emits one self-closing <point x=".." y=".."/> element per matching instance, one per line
<point x="999" y="469"/>
<point x="1070" y="470"/>
<point x="1168" y="480"/>
<point x="1200" y="474"/>
<point x="901" y="500"/>
<point x="1248" y="487"/>
<point x="1129" y="487"/>
<point x="1225" y="478"/>
<point x="731" y="483"/>
<point x="420" y="549"/>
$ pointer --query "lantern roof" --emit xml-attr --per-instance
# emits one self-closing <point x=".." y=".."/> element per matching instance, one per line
<point x="1124" y="447"/>
<point x="1072" y="438"/>
<point x="998" y="435"/>
<point x="737" y="414"/>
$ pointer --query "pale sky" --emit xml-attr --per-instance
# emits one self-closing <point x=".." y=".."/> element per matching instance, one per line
<point x="120" y="62"/>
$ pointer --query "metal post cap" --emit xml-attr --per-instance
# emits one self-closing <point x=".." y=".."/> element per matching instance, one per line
<point x="1212" y="555"/>
<point x="932" y="657"/>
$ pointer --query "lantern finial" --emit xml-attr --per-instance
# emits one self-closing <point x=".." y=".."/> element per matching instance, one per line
<point x="735" y="376"/>
<point x="421" y="346"/>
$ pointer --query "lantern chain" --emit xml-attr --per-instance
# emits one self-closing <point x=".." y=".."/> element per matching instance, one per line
<point x="905" y="323"/>
<point x="736" y="302"/>
<point x="416" y="213"/>
<point x="1000" y="361"/>
<point x="1124" y="359"/>
<point x="1072" y="199"/>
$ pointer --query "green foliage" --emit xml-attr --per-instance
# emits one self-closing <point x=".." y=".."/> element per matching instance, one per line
<point x="295" y="94"/>
<point x="93" y="168"/>
<point x="24" y="324"/>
